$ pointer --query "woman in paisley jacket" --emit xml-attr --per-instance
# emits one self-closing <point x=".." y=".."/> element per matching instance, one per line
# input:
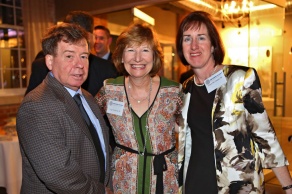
<point x="143" y="109"/>
<point x="227" y="138"/>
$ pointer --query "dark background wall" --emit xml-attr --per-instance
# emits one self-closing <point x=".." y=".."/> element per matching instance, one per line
<point x="100" y="6"/>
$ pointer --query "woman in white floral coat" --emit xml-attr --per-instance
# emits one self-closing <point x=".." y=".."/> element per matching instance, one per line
<point x="227" y="138"/>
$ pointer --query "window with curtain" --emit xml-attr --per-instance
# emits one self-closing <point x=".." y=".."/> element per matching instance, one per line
<point x="12" y="46"/>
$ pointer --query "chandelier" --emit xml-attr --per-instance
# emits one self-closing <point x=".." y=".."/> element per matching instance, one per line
<point x="235" y="9"/>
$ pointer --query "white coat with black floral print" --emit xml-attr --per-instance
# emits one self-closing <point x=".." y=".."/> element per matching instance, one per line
<point x="244" y="138"/>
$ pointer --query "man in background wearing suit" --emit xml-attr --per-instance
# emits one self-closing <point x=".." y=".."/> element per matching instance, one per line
<point x="184" y="76"/>
<point x="103" y="40"/>
<point x="99" y="69"/>
<point x="61" y="151"/>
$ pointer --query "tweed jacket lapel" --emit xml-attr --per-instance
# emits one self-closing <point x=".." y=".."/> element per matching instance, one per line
<point x="70" y="105"/>
<point x="73" y="111"/>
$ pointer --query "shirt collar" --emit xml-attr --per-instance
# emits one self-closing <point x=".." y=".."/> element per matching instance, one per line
<point x="71" y="92"/>
<point x="106" y="56"/>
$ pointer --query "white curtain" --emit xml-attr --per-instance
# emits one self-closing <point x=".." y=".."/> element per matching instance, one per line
<point x="38" y="16"/>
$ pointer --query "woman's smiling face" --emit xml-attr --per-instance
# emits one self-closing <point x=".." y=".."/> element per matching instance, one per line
<point x="197" y="48"/>
<point x="138" y="59"/>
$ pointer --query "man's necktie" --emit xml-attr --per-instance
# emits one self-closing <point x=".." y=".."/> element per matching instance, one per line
<point x="94" y="135"/>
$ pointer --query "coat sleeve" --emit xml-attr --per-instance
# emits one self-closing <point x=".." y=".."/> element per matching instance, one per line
<point x="263" y="133"/>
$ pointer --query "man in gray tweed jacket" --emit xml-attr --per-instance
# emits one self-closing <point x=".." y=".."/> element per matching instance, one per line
<point x="59" y="154"/>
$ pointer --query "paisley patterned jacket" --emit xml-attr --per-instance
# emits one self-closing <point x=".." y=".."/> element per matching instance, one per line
<point x="244" y="139"/>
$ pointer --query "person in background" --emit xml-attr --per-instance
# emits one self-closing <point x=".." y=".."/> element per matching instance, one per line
<point x="102" y="42"/>
<point x="60" y="154"/>
<point x="143" y="109"/>
<point x="184" y="76"/>
<point x="227" y="133"/>
<point x="99" y="69"/>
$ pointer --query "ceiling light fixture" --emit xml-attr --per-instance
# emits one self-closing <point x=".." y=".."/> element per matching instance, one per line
<point x="143" y="16"/>
<point x="236" y="6"/>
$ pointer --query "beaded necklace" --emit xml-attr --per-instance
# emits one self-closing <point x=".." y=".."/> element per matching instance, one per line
<point x="138" y="101"/>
